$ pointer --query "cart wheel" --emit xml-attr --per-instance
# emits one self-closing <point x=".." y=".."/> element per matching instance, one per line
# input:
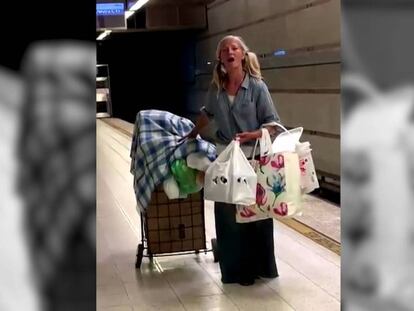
<point x="197" y="251"/>
<point x="215" y="249"/>
<point x="140" y="254"/>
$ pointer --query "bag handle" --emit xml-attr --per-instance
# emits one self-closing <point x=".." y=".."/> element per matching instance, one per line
<point x="282" y="127"/>
<point x="254" y="149"/>
<point x="266" y="141"/>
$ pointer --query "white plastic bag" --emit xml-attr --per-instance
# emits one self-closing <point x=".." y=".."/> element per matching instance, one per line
<point x="198" y="161"/>
<point x="172" y="190"/>
<point x="286" y="141"/>
<point x="230" y="178"/>
<point x="309" y="180"/>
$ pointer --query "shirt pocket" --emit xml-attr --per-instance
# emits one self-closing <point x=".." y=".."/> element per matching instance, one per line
<point x="247" y="111"/>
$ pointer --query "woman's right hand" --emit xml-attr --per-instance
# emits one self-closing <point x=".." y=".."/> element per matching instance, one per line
<point x="191" y="135"/>
<point x="201" y="122"/>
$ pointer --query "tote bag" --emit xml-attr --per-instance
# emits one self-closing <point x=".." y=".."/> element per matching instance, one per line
<point x="278" y="182"/>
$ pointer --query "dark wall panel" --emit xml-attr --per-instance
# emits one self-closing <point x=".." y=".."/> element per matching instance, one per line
<point x="148" y="70"/>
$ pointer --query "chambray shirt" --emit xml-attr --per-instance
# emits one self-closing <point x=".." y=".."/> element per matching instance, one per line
<point x="251" y="109"/>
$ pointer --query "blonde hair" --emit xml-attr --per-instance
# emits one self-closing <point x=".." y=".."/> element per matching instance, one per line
<point x="250" y="63"/>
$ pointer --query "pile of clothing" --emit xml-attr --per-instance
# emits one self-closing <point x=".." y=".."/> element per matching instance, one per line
<point x="160" y="154"/>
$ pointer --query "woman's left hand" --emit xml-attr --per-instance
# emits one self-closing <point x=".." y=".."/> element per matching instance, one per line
<point x="247" y="136"/>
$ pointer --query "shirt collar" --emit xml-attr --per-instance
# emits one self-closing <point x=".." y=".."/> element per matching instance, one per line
<point x="246" y="81"/>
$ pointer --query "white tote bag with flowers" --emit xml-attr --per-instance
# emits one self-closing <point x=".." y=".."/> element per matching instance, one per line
<point x="279" y="182"/>
<point x="269" y="188"/>
<point x="230" y="178"/>
<point x="250" y="213"/>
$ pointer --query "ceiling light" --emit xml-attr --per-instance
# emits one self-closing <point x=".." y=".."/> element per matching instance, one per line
<point x="104" y="35"/>
<point x="128" y="14"/>
<point x="138" y="5"/>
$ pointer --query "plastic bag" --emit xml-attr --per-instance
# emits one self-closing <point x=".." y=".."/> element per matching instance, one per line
<point x="230" y="178"/>
<point x="198" y="161"/>
<point x="309" y="179"/>
<point x="171" y="188"/>
<point x="185" y="176"/>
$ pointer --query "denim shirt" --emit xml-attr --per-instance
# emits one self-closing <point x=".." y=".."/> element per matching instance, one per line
<point x="252" y="108"/>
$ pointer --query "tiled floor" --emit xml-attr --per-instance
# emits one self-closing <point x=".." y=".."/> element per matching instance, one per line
<point x="309" y="274"/>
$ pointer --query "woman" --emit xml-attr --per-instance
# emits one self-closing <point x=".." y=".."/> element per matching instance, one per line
<point x="240" y="104"/>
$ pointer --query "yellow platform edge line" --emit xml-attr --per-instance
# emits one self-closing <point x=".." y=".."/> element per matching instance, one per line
<point x="314" y="235"/>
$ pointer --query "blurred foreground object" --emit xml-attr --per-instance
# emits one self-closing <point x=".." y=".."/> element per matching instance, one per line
<point x="57" y="171"/>
<point x="377" y="226"/>
<point x="17" y="291"/>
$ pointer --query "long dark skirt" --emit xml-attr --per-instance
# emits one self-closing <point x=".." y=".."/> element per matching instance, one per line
<point x="245" y="251"/>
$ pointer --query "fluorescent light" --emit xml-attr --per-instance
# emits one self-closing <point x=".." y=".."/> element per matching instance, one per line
<point x="138" y="5"/>
<point x="128" y="14"/>
<point x="279" y="53"/>
<point x="104" y="34"/>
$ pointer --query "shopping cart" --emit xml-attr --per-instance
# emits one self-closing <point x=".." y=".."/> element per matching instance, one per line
<point x="173" y="227"/>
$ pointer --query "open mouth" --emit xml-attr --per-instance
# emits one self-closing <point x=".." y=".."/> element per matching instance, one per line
<point x="230" y="59"/>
